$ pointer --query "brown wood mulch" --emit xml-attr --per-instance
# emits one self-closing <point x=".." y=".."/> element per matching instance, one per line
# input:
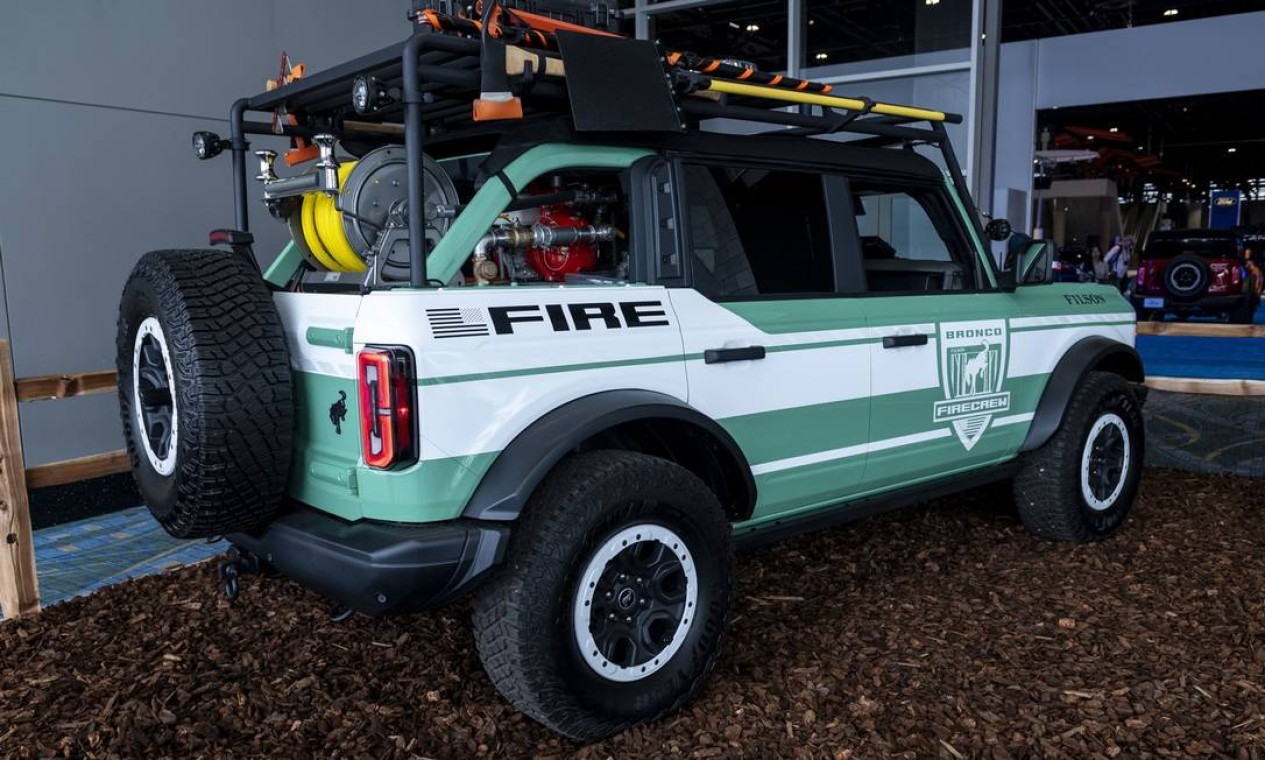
<point x="940" y="631"/>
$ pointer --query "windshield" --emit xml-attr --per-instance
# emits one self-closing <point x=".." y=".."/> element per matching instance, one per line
<point x="1210" y="248"/>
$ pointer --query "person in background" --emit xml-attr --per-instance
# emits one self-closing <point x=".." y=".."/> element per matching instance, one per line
<point x="1254" y="267"/>
<point x="1098" y="267"/>
<point x="1117" y="262"/>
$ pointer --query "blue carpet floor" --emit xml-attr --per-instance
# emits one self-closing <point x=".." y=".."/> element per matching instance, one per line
<point x="80" y="557"/>
<point x="1208" y="358"/>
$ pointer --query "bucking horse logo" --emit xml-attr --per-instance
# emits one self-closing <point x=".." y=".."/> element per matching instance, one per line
<point x="338" y="412"/>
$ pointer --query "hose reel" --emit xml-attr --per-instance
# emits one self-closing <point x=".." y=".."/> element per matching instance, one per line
<point x="372" y="197"/>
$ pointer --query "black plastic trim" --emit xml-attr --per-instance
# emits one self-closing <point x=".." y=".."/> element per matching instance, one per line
<point x="1079" y="360"/>
<point x="849" y="511"/>
<point x="523" y="464"/>
<point x="379" y="568"/>
<point x="722" y="355"/>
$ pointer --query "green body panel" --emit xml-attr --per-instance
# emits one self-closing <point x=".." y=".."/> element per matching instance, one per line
<point x="760" y="518"/>
<point x="1071" y="298"/>
<point x="328" y="472"/>
<point x="324" y="470"/>
<point x="801" y="314"/>
<point x="284" y="266"/>
<point x="798" y="431"/>
<point x="435" y="489"/>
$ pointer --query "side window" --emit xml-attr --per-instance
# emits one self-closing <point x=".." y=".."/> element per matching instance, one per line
<point x="754" y="231"/>
<point x="909" y="242"/>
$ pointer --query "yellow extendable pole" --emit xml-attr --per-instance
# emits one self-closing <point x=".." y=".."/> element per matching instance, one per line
<point x="812" y="98"/>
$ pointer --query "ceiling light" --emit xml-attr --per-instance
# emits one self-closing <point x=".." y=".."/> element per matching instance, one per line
<point x="1231" y="150"/>
<point x="734" y="25"/>
<point x="1170" y="12"/>
<point x="1090" y="137"/>
<point x="932" y="2"/>
<point x="821" y="56"/>
<point x="811" y="21"/>
<point x="1114" y="130"/>
<point x="753" y="27"/>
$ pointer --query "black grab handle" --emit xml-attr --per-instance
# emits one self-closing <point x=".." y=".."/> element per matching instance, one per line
<point x="899" y="341"/>
<point x="718" y="355"/>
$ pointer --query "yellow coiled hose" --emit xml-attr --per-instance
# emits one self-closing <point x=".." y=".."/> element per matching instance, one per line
<point x="323" y="232"/>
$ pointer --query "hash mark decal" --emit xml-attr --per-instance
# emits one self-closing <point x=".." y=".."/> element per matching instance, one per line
<point x="457" y="323"/>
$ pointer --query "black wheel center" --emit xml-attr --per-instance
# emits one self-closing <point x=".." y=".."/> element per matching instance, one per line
<point x="638" y="604"/>
<point x="157" y="407"/>
<point x="1106" y="462"/>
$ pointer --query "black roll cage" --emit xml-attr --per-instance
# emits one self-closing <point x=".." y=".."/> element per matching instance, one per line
<point x="438" y="75"/>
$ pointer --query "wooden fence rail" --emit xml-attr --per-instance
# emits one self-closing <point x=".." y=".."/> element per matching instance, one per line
<point x="19" y="588"/>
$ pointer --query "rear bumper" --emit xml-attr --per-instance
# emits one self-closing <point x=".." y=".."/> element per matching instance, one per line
<point x="379" y="568"/>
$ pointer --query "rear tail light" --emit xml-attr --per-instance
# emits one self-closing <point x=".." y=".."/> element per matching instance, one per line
<point x="1142" y="275"/>
<point x="388" y="400"/>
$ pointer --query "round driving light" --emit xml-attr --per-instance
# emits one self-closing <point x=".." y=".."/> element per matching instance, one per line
<point x="364" y="94"/>
<point x="207" y="145"/>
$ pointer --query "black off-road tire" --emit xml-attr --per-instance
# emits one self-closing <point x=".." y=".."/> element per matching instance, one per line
<point x="1052" y="490"/>
<point x="210" y="317"/>
<point x="524" y="622"/>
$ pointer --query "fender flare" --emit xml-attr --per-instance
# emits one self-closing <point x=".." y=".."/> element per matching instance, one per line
<point x="1083" y="357"/>
<point x="528" y="459"/>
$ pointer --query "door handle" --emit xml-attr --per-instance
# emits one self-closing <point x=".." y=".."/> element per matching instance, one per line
<point x="718" y="355"/>
<point x="900" y="341"/>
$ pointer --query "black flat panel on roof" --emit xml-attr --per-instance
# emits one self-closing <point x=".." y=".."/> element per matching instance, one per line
<point x="617" y="85"/>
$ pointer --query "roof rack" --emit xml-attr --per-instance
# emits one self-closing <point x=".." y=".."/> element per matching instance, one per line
<point x="526" y="58"/>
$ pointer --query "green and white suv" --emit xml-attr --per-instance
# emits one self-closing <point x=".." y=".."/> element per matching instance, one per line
<point x="630" y="355"/>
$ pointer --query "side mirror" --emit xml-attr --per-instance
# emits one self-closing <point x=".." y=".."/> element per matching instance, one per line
<point x="998" y="229"/>
<point x="1035" y="265"/>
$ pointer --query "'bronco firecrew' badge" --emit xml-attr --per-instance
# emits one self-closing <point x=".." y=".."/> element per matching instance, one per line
<point x="972" y="369"/>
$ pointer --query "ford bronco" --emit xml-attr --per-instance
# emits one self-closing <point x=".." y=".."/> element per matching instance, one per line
<point x="543" y="339"/>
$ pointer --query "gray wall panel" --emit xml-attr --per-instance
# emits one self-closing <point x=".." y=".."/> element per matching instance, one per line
<point x="179" y="57"/>
<point x="97" y="102"/>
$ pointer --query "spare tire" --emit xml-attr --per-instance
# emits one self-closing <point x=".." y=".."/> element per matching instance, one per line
<point x="205" y="391"/>
<point x="1186" y="277"/>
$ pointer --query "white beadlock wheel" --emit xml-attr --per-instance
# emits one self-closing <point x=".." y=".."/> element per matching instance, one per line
<point x="602" y="521"/>
<point x="643" y="585"/>
<point x="1105" y="462"/>
<point x="153" y="396"/>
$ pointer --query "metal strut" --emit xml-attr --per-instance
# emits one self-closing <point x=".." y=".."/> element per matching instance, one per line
<point x="412" y="98"/>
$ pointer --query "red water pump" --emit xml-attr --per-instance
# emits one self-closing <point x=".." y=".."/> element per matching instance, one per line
<point x="553" y="263"/>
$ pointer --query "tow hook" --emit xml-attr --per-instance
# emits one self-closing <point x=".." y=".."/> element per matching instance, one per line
<point x="237" y="564"/>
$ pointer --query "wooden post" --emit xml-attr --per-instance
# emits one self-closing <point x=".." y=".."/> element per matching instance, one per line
<point x="19" y="590"/>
